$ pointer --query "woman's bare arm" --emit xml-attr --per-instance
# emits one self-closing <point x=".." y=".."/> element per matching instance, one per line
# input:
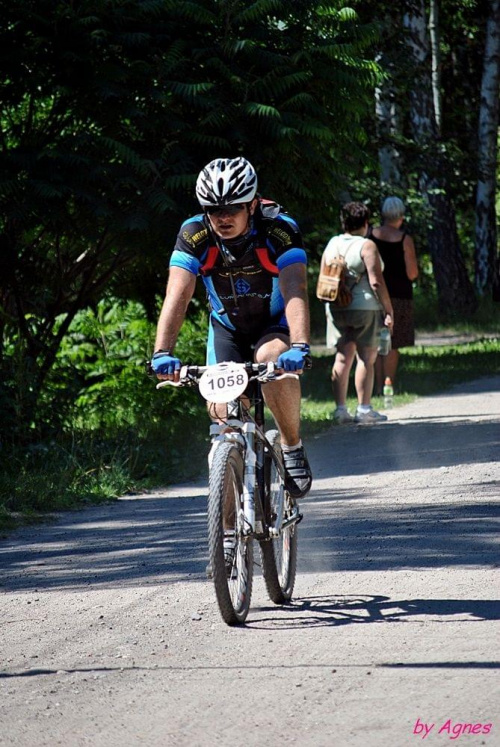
<point x="410" y="258"/>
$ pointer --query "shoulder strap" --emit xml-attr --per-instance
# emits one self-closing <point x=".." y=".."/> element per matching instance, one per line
<point x="338" y="253"/>
<point x="210" y="260"/>
<point x="262" y="254"/>
<point x="355" y="275"/>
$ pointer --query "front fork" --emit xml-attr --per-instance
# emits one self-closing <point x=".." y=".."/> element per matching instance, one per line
<point x="255" y="476"/>
<point x="245" y="438"/>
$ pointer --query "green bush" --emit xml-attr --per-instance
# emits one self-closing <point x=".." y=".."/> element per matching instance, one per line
<point x="99" y="381"/>
<point x="108" y="428"/>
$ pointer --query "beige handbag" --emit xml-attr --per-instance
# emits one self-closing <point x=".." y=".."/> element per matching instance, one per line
<point x="332" y="284"/>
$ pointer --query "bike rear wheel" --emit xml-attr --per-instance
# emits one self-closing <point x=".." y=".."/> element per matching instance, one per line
<point x="232" y="579"/>
<point x="279" y="555"/>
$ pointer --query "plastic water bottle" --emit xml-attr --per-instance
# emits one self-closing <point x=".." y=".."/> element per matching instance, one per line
<point x="384" y="341"/>
<point x="388" y="393"/>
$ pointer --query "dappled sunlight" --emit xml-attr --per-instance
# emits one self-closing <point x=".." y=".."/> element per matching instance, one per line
<point x="133" y="542"/>
<point x="408" y="445"/>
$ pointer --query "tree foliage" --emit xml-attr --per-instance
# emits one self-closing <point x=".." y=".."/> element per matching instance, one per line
<point x="420" y="154"/>
<point x="109" y="110"/>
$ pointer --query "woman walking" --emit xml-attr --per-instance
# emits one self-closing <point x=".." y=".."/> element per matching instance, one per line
<point x="355" y="328"/>
<point x="397" y="250"/>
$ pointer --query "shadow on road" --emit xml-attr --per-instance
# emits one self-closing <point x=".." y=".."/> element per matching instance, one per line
<point x="321" y="611"/>
<point x="152" y="539"/>
<point x="333" y="666"/>
<point x="341" y="534"/>
<point x="134" y="542"/>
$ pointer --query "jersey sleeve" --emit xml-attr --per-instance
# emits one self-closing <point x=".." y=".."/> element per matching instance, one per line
<point x="190" y="244"/>
<point x="285" y="241"/>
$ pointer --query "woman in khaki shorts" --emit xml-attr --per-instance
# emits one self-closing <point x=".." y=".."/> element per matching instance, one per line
<point x="353" y="331"/>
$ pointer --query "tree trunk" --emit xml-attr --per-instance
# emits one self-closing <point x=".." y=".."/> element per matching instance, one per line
<point x="455" y="290"/>
<point x="436" y="61"/>
<point x="486" y="259"/>
<point x="388" y="115"/>
<point x="388" y="128"/>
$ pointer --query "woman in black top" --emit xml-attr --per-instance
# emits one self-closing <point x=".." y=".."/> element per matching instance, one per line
<point x="397" y="250"/>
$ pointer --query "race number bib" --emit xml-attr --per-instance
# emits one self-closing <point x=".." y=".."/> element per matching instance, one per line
<point x="223" y="382"/>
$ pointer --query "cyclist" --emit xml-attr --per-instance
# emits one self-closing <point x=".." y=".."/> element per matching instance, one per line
<point x="251" y="259"/>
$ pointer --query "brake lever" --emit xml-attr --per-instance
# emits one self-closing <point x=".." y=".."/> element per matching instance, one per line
<point x="266" y="377"/>
<point x="169" y="383"/>
<point x="183" y="379"/>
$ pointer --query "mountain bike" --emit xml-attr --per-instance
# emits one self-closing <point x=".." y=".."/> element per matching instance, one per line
<point x="247" y="497"/>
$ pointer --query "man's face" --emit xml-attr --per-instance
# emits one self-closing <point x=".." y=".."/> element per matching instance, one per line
<point x="231" y="221"/>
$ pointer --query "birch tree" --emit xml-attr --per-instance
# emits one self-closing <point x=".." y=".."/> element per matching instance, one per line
<point x="387" y="112"/>
<point x="486" y="259"/>
<point x="436" y="61"/>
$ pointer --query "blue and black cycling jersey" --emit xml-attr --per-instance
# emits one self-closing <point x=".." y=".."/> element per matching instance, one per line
<point x="273" y="242"/>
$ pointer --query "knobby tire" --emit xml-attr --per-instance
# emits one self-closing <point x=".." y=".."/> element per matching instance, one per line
<point x="233" y="590"/>
<point x="279" y="555"/>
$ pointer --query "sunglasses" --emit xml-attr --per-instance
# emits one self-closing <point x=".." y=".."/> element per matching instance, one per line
<point x="228" y="209"/>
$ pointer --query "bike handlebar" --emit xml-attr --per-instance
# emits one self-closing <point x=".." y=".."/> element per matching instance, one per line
<point x="263" y="372"/>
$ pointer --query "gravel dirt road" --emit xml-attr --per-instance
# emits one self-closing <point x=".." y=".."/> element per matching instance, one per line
<point x="110" y="633"/>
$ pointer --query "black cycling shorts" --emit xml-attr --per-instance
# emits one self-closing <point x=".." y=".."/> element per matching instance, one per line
<point x="238" y="347"/>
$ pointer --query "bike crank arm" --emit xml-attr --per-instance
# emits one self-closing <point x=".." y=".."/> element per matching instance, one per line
<point x="295" y="518"/>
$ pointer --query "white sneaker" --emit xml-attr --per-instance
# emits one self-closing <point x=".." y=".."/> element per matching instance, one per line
<point x="342" y="416"/>
<point x="370" y="417"/>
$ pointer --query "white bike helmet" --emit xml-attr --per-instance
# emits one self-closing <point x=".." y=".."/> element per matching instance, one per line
<point x="226" y="181"/>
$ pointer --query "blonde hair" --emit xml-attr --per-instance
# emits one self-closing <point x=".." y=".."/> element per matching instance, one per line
<point x="393" y="208"/>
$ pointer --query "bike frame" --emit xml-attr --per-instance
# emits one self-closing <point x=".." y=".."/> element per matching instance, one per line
<point x="250" y="435"/>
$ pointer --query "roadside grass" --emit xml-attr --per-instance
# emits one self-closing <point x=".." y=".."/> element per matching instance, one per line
<point x="486" y="318"/>
<point x="83" y="468"/>
<point x="52" y="477"/>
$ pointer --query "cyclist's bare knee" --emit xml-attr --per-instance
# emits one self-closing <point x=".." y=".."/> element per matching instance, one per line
<point x="270" y="347"/>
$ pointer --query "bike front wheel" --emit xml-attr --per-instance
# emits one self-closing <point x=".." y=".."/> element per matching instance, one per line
<point x="279" y="555"/>
<point x="232" y="569"/>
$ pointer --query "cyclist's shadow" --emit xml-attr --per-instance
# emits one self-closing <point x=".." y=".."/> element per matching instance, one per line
<point x="334" y="611"/>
